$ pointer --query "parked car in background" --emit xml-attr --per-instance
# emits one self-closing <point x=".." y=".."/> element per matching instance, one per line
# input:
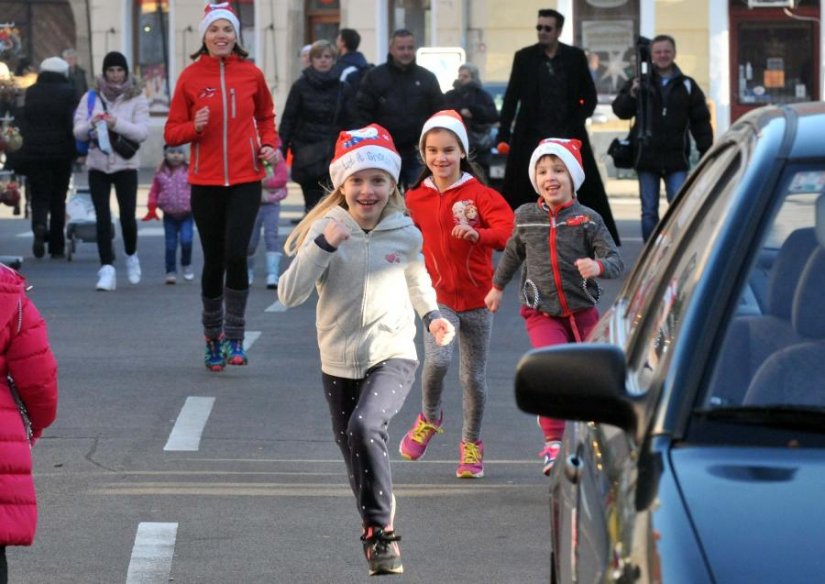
<point x="498" y="161"/>
<point x="696" y="450"/>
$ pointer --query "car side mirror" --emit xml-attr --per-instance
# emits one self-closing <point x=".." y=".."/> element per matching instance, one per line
<point x="580" y="381"/>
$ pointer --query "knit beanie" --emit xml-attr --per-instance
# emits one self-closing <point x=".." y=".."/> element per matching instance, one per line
<point x="569" y="151"/>
<point x="369" y="147"/>
<point x="115" y="59"/>
<point x="55" y="65"/>
<point x="448" y="120"/>
<point x="213" y="12"/>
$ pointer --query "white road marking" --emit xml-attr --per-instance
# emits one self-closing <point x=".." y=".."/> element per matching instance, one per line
<point x="249" y="338"/>
<point x="152" y="553"/>
<point x="276" y="307"/>
<point x="187" y="431"/>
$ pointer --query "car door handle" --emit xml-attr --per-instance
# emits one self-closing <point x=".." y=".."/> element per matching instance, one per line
<point x="573" y="466"/>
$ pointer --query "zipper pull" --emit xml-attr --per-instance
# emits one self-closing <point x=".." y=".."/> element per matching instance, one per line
<point x="664" y="111"/>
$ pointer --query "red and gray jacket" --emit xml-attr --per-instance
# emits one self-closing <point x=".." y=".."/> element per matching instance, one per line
<point x="241" y="120"/>
<point x="549" y="242"/>
<point x="462" y="272"/>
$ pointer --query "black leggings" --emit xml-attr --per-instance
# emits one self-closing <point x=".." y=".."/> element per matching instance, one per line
<point x="4" y="570"/>
<point x="225" y="217"/>
<point x="100" y="187"/>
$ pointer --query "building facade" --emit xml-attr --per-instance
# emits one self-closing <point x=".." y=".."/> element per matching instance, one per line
<point x="744" y="53"/>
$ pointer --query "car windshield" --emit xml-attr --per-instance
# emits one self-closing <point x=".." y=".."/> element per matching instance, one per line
<point x="771" y="363"/>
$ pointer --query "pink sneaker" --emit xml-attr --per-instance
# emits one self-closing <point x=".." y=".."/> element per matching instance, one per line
<point x="414" y="444"/>
<point x="471" y="465"/>
<point x="550" y="454"/>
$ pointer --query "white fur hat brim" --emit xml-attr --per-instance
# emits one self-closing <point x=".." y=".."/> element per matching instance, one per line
<point x="362" y="158"/>
<point x="448" y="120"/>
<point x="219" y="12"/>
<point x="574" y="167"/>
<point x="55" y="65"/>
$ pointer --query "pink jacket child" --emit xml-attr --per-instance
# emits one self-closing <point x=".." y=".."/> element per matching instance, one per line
<point x="170" y="192"/>
<point x="26" y="357"/>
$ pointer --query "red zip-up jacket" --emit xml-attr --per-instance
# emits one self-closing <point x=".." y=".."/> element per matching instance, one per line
<point x="462" y="272"/>
<point x="241" y="120"/>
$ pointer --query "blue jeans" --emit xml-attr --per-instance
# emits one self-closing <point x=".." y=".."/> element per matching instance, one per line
<point x="649" y="193"/>
<point x="268" y="216"/>
<point x="178" y="228"/>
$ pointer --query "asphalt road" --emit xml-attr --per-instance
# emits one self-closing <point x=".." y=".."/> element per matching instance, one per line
<point x="258" y="495"/>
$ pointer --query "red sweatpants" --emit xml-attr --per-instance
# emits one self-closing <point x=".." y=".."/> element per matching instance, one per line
<point x="545" y="330"/>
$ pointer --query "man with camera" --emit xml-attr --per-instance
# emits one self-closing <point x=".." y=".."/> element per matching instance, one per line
<point x="668" y="106"/>
<point x="552" y="90"/>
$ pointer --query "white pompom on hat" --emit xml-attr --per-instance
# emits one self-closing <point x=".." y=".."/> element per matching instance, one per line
<point x="361" y="149"/>
<point x="448" y="120"/>
<point x="568" y="150"/>
<point x="55" y="65"/>
<point x="213" y="12"/>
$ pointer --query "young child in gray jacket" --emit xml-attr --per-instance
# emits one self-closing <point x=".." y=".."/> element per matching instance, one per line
<point x="362" y="254"/>
<point x="564" y="246"/>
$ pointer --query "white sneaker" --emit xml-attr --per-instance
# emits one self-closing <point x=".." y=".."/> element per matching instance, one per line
<point x="171" y="278"/>
<point x="133" y="268"/>
<point x="188" y="274"/>
<point x="106" y="278"/>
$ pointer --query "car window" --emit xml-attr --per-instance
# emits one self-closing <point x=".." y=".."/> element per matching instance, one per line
<point x="682" y="272"/>
<point x="709" y="179"/>
<point x="773" y="350"/>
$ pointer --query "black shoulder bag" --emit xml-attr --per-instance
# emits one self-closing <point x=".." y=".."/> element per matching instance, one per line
<point x="125" y="147"/>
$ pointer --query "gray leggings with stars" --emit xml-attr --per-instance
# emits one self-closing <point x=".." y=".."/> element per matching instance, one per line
<point x="361" y="411"/>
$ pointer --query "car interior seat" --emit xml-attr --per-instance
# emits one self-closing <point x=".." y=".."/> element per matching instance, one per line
<point x="752" y="339"/>
<point x="794" y="374"/>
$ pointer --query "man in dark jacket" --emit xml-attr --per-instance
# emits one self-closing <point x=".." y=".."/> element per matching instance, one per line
<point x="351" y="65"/>
<point x="48" y="152"/>
<point x="552" y="89"/>
<point x="677" y="105"/>
<point x="400" y="95"/>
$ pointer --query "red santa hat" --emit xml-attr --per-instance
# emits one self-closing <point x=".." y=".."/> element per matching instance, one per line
<point x="569" y="151"/>
<point x="213" y="12"/>
<point x="448" y="120"/>
<point x="363" y="148"/>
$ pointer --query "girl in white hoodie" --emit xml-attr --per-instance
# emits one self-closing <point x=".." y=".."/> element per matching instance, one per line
<point x="362" y="254"/>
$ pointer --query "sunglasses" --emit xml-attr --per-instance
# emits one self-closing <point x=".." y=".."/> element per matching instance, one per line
<point x="545" y="28"/>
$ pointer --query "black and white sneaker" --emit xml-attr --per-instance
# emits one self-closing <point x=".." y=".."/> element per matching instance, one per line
<point x="381" y="551"/>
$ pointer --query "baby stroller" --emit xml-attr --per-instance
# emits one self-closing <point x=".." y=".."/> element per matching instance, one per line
<point x="81" y="221"/>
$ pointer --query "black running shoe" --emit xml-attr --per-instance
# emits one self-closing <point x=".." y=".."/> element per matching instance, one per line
<point x="381" y="551"/>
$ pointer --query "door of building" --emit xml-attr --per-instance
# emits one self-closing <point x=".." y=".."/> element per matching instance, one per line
<point x="774" y="55"/>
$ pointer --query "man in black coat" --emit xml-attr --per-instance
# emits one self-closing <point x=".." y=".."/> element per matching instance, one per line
<point x="552" y="89"/>
<point x="400" y="95"/>
<point x="677" y="105"/>
<point x="48" y="152"/>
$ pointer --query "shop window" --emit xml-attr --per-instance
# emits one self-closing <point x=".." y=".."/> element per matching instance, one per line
<point x="607" y="32"/>
<point x="31" y="30"/>
<point x="323" y="20"/>
<point x="774" y="55"/>
<point x="151" y="60"/>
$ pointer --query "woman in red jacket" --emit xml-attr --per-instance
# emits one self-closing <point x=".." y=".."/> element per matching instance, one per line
<point x="223" y="107"/>
<point x="462" y="221"/>
<point x="26" y="358"/>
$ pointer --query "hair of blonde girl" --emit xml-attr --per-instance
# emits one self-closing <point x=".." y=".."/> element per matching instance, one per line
<point x="295" y="240"/>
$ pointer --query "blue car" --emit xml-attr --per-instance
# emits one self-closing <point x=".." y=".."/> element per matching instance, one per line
<point x="695" y="450"/>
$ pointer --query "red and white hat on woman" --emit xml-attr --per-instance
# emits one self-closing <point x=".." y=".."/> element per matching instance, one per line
<point x="448" y="120"/>
<point x="369" y="147"/>
<point x="213" y="12"/>
<point x="569" y="151"/>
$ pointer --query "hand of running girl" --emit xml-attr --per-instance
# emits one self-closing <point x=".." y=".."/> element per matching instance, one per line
<point x="465" y="232"/>
<point x="336" y="233"/>
<point x="443" y="331"/>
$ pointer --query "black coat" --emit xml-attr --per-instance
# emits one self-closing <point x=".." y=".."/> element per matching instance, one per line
<point x="316" y="111"/>
<point x="47" y="120"/>
<point x="399" y="99"/>
<point x="676" y="109"/>
<point x="482" y="107"/>
<point x="522" y="95"/>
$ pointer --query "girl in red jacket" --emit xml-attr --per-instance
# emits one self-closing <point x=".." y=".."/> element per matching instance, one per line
<point x="25" y="412"/>
<point x="223" y="107"/>
<point x="462" y="221"/>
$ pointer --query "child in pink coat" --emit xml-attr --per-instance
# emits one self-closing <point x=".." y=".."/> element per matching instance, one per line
<point x="269" y="214"/>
